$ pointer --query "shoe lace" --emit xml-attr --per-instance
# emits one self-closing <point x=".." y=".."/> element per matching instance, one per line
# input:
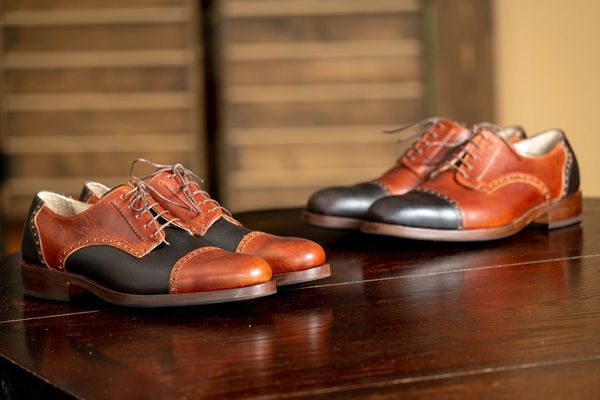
<point x="190" y="185"/>
<point x="141" y="202"/>
<point x="426" y="133"/>
<point x="460" y="162"/>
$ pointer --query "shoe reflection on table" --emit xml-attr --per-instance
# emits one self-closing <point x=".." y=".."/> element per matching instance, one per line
<point x="206" y="349"/>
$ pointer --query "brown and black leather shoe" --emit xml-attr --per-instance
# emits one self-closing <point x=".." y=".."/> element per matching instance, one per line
<point x="126" y="251"/>
<point x="492" y="188"/>
<point x="345" y="207"/>
<point x="176" y="189"/>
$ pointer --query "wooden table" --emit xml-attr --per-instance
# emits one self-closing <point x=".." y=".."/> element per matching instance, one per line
<point x="516" y="318"/>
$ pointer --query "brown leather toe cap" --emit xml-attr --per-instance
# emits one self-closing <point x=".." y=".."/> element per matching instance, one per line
<point x="284" y="254"/>
<point x="211" y="268"/>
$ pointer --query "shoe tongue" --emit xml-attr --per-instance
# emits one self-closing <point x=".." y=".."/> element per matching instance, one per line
<point x="511" y="134"/>
<point x="446" y="127"/>
<point x="449" y="124"/>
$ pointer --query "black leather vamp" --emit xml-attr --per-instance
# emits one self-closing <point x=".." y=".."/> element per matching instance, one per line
<point x="225" y="234"/>
<point x="122" y="272"/>
<point x="346" y="201"/>
<point x="416" y="209"/>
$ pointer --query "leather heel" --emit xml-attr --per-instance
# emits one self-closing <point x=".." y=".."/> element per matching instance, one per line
<point x="45" y="283"/>
<point x="564" y="212"/>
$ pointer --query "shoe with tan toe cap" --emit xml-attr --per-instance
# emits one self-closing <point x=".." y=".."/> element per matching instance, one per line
<point x="492" y="188"/>
<point x="344" y="207"/>
<point x="126" y="251"/>
<point x="177" y="191"/>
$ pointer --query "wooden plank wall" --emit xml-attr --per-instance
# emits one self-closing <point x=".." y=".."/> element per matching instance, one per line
<point x="461" y="81"/>
<point x="307" y="87"/>
<point x="89" y="85"/>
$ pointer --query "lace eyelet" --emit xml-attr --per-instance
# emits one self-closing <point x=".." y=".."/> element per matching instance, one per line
<point x="122" y="197"/>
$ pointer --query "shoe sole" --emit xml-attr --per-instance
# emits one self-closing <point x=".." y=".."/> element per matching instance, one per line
<point x="328" y="221"/>
<point x="551" y="215"/>
<point x="307" y="275"/>
<point x="42" y="282"/>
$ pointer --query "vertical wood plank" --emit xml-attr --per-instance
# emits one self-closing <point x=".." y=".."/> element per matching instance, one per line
<point x="461" y="59"/>
<point x="92" y="85"/>
<point x="334" y="67"/>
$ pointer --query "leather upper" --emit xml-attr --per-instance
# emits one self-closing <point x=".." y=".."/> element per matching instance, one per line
<point x="284" y="254"/>
<point x="204" y="217"/>
<point x="491" y="183"/>
<point x="417" y="208"/>
<point x="438" y="141"/>
<point x="109" y="222"/>
<point x="123" y="244"/>
<point x="215" y="271"/>
<point x="169" y="187"/>
<point x="346" y="201"/>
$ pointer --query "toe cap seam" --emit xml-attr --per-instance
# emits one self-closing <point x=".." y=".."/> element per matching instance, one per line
<point x="449" y="200"/>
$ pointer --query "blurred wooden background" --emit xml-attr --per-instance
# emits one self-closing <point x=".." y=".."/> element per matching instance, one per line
<point x="269" y="99"/>
<point x="90" y="85"/>
<point x="308" y="85"/>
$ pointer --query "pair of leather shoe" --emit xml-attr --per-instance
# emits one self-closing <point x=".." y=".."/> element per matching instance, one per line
<point x="460" y="184"/>
<point x="153" y="242"/>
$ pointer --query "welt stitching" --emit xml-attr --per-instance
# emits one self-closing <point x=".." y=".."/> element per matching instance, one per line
<point x="244" y="242"/>
<point x="174" y="281"/>
<point x="449" y="200"/>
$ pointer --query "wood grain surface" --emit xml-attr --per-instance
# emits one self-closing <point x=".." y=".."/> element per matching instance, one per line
<point x="515" y="318"/>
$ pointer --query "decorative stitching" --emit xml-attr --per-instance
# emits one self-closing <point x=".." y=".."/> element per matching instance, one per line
<point x="173" y="281"/>
<point x="567" y="170"/>
<point x="35" y="233"/>
<point x="448" y="199"/>
<point x="381" y="185"/>
<point x="244" y="242"/>
<point x="135" y="250"/>
<point x="522" y="178"/>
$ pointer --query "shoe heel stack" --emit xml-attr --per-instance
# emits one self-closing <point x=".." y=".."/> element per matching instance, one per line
<point x="564" y="212"/>
<point x="47" y="284"/>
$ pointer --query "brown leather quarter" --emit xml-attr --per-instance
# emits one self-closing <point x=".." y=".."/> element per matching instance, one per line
<point x="503" y="187"/>
<point x="110" y="221"/>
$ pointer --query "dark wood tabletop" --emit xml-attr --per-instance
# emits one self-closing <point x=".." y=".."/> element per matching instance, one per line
<point x="515" y="318"/>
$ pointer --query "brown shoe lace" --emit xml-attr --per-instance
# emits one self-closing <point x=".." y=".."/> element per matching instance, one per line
<point x="470" y="151"/>
<point x="186" y="179"/>
<point x="141" y="202"/>
<point x="426" y="135"/>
